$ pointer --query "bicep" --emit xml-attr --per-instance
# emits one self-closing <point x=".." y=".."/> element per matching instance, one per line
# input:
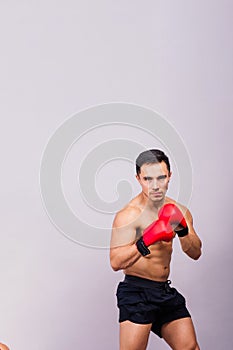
<point x="123" y="231"/>
<point x="122" y="236"/>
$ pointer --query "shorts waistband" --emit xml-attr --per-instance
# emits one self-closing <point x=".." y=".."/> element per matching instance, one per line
<point x="146" y="283"/>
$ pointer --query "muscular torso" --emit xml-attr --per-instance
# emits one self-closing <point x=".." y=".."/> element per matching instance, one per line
<point x="156" y="265"/>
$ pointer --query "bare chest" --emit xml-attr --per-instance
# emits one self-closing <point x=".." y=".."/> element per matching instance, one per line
<point x="144" y="221"/>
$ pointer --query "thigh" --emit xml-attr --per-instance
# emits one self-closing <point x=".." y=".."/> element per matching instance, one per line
<point x="134" y="336"/>
<point x="180" y="334"/>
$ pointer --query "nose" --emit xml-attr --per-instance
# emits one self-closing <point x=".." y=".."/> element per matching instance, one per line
<point x="155" y="185"/>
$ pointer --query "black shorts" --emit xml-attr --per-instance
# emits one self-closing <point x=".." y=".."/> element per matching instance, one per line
<point x="144" y="301"/>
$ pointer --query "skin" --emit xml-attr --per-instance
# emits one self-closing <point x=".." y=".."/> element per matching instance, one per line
<point x="128" y="226"/>
<point x="3" y="347"/>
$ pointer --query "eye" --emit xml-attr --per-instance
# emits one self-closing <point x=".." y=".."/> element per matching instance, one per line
<point x="162" y="177"/>
<point x="146" y="178"/>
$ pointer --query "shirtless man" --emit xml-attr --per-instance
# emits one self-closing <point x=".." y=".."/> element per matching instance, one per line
<point x="141" y="246"/>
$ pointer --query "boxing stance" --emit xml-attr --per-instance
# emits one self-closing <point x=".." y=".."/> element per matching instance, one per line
<point x="141" y="246"/>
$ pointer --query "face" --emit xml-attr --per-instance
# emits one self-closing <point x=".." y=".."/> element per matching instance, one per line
<point x="154" y="179"/>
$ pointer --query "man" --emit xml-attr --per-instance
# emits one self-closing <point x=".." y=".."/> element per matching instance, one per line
<point x="3" y="347"/>
<point x="141" y="246"/>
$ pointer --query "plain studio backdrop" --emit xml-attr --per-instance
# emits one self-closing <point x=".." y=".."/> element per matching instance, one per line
<point x="61" y="57"/>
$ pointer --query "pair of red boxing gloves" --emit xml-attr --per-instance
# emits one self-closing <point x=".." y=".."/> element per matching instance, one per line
<point x="161" y="229"/>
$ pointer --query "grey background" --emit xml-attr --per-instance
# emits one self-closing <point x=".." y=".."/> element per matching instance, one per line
<point x="59" y="57"/>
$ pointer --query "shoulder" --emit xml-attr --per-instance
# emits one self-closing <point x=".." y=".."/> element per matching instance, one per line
<point x="125" y="226"/>
<point x="126" y="216"/>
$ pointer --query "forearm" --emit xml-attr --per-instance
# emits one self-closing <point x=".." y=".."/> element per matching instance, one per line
<point x="124" y="257"/>
<point x="191" y="245"/>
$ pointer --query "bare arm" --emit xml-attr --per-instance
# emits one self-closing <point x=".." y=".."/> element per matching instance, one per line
<point x="123" y="257"/>
<point x="123" y="251"/>
<point x="191" y="244"/>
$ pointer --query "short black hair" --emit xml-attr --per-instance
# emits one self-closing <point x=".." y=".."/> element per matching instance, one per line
<point x="151" y="156"/>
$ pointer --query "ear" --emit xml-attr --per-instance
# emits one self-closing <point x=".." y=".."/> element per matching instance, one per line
<point x="169" y="176"/>
<point x="137" y="177"/>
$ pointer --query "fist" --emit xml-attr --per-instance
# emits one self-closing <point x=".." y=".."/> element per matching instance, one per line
<point x="172" y="215"/>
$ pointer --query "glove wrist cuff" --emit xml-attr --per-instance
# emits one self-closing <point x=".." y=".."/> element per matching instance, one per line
<point x="183" y="232"/>
<point x="142" y="248"/>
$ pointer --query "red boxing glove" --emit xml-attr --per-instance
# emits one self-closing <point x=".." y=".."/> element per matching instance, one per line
<point x="157" y="231"/>
<point x="172" y="215"/>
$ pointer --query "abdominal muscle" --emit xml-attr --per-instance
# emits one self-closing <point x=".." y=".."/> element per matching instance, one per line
<point x="154" y="266"/>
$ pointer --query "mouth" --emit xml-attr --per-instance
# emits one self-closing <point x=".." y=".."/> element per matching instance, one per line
<point x="156" y="194"/>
